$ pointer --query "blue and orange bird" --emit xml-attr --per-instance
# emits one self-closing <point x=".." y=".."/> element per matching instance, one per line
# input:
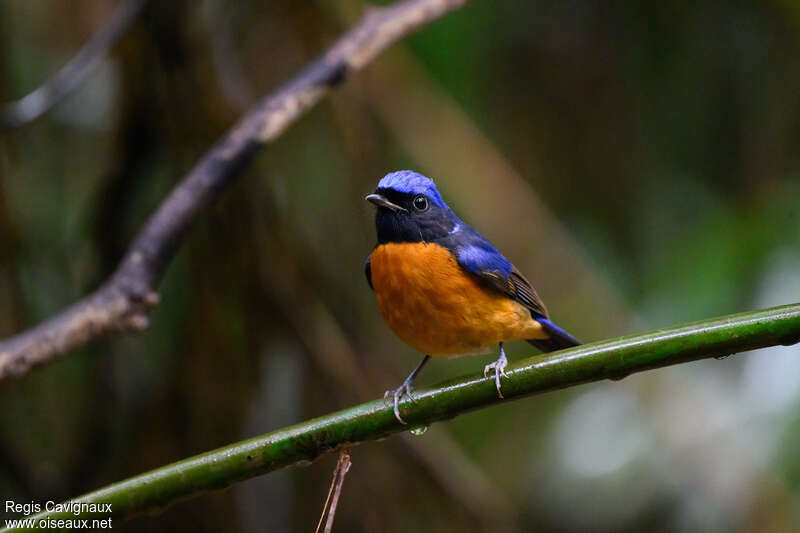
<point x="443" y="288"/>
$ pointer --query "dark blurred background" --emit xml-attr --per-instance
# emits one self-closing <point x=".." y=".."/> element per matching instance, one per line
<point x="638" y="161"/>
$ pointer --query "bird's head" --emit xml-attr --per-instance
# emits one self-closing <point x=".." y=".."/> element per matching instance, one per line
<point x="410" y="209"/>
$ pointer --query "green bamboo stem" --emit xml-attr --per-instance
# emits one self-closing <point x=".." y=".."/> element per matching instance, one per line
<point x="304" y="442"/>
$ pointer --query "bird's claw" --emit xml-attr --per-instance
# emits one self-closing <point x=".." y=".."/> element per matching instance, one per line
<point x="499" y="368"/>
<point x="396" y="395"/>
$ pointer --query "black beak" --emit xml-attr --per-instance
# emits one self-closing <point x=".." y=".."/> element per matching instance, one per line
<point x="381" y="201"/>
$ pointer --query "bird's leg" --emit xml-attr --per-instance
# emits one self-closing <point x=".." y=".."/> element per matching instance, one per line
<point x="499" y="368"/>
<point x="404" y="389"/>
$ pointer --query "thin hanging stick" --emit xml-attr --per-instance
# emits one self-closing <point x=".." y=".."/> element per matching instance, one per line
<point x="342" y="467"/>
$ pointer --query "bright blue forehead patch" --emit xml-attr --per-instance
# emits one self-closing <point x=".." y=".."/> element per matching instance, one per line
<point x="410" y="182"/>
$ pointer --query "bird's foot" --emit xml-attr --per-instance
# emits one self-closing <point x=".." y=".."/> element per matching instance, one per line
<point x="396" y="395"/>
<point x="404" y="390"/>
<point x="499" y="368"/>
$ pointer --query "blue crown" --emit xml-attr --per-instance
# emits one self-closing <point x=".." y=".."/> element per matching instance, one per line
<point x="410" y="182"/>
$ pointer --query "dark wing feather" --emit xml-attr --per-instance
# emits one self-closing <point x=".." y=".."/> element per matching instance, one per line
<point x="559" y="339"/>
<point x="368" y="272"/>
<point x="526" y="294"/>
<point x="516" y="287"/>
<point x="520" y="289"/>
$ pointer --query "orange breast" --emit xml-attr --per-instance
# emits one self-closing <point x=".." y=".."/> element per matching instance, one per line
<point x="439" y="309"/>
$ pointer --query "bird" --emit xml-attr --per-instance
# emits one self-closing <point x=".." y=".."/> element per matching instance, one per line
<point x="443" y="288"/>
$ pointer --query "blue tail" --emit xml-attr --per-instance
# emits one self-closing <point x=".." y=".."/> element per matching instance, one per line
<point x="559" y="339"/>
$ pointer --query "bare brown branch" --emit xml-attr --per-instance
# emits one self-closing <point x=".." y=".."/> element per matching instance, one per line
<point x="122" y="302"/>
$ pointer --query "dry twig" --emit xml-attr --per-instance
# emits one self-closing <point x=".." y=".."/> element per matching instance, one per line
<point x="342" y="467"/>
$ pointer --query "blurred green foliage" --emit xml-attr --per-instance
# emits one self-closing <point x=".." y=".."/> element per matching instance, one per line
<point x="657" y="148"/>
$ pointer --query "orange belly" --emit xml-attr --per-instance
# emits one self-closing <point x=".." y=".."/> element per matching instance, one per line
<point x="439" y="309"/>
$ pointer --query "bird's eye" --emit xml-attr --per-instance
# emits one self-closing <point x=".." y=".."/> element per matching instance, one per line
<point x="420" y="202"/>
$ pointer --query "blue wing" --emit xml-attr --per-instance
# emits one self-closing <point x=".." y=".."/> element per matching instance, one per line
<point x="475" y="254"/>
